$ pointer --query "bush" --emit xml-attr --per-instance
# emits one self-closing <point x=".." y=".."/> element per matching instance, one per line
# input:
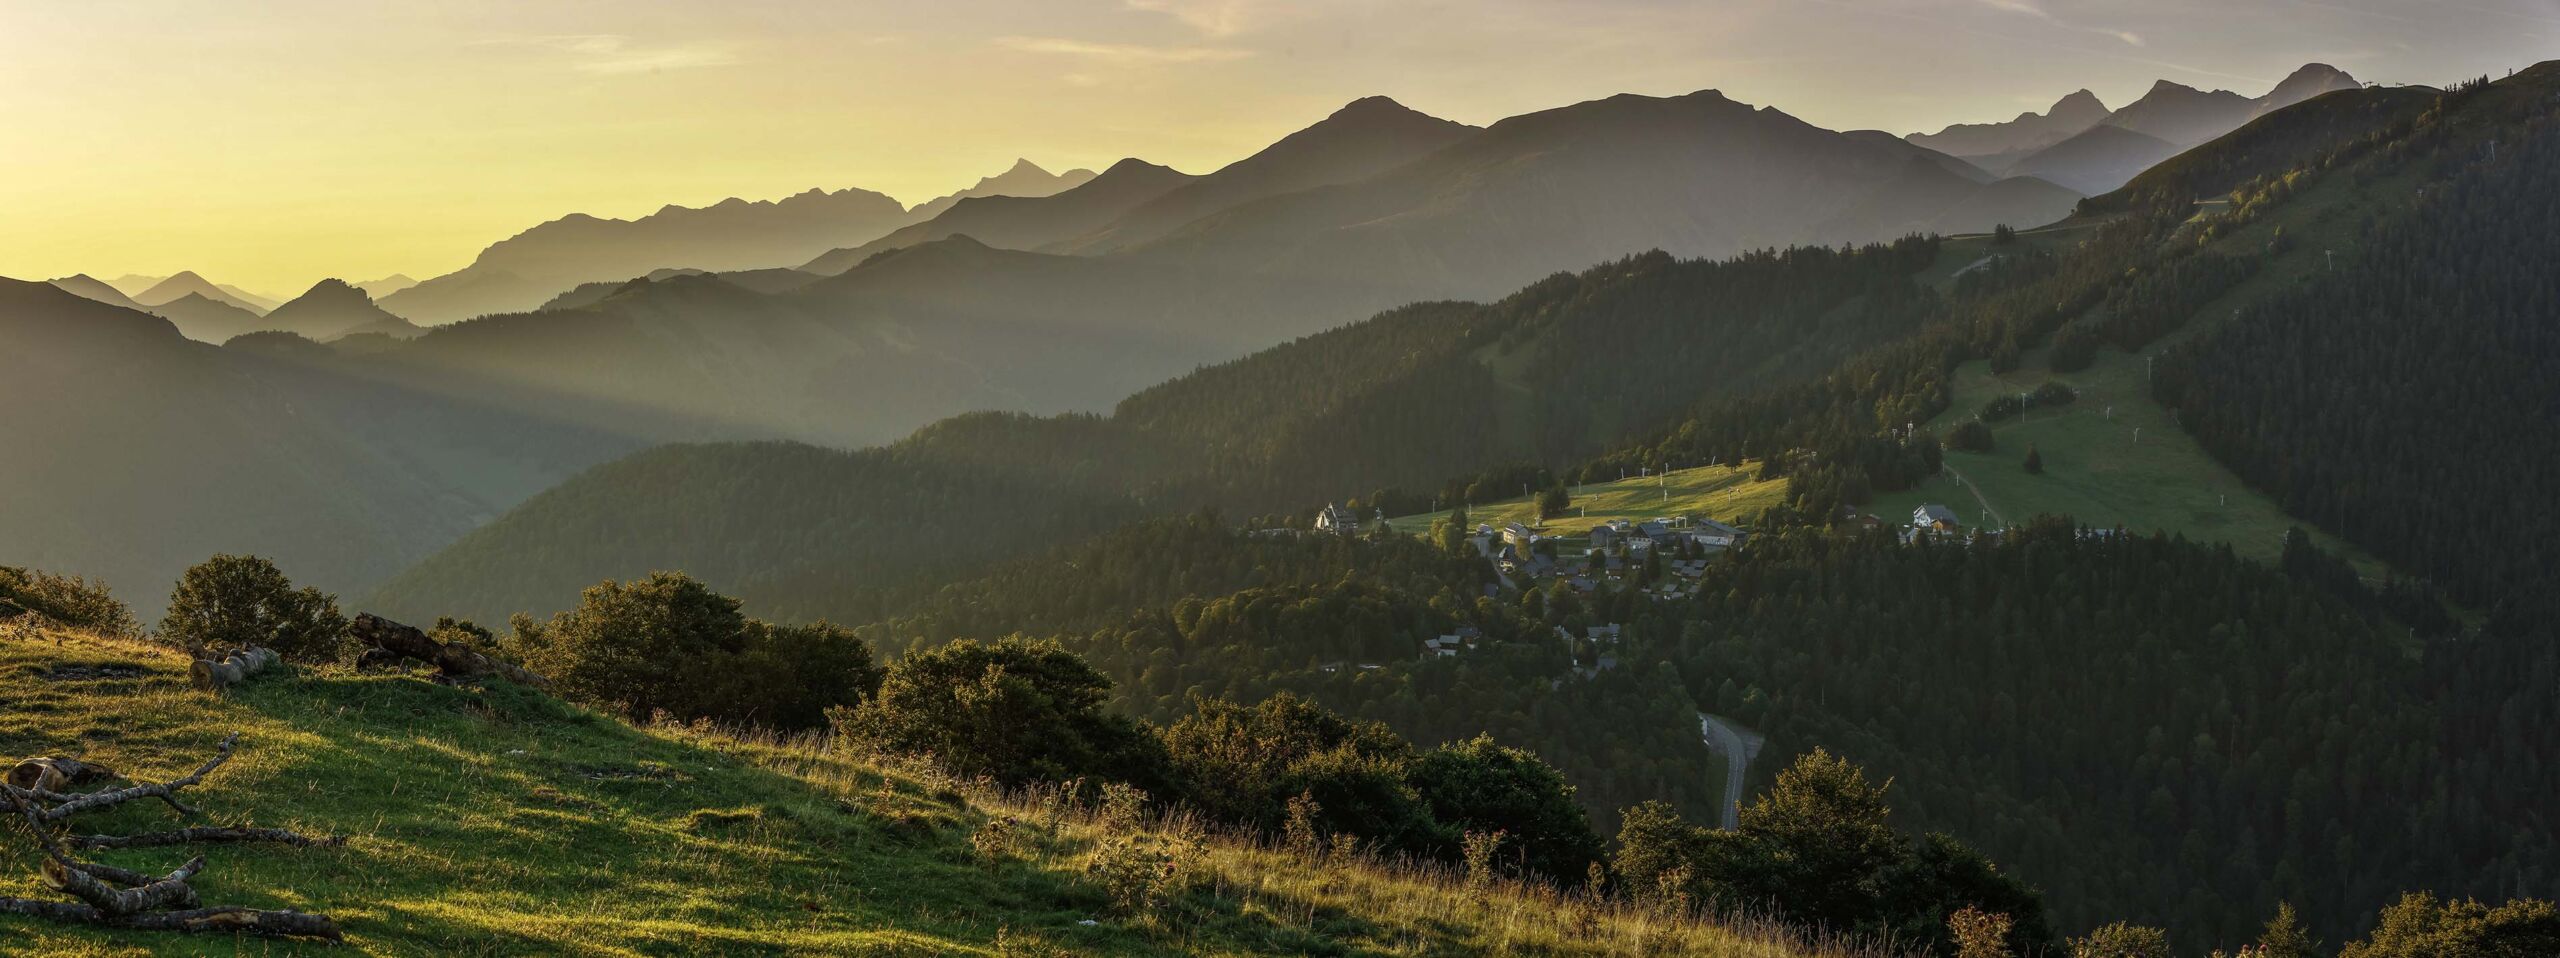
<point x="669" y="643"/>
<point x="1973" y="436"/>
<point x="2120" y="940"/>
<point x="2035" y="461"/>
<point x="2074" y="348"/>
<point x="2420" y="926"/>
<point x="69" y="600"/>
<point x="1819" y="847"/>
<point x="1479" y="787"/>
<point x="1017" y="711"/>
<point x="233" y="602"/>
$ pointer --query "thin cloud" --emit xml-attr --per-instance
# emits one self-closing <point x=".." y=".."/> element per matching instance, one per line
<point x="1125" y="54"/>
<point x="612" y="54"/>
<point x="1215" y="18"/>
<point x="2030" y="8"/>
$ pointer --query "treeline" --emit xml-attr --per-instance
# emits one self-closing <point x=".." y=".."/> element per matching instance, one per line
<point x="1184" y="608"/>
<point x="776" y="522"/>
<point x="1425" y="397"/>
<point x="2405" y="400"/>
<point x="2143" y="727"/>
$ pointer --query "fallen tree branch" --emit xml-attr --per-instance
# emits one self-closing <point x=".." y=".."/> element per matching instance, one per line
<point x="115" y="897"/>
<point x="202" y="835"/>
<point x="216" y="921"/>
<point x="395" y="641"/>
<point x="215" y="675"/>
<point x="164" y="791"/>
<point x="82" y="880"/>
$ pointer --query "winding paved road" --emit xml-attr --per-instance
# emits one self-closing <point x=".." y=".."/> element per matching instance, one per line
<point x="1737" y="760"/>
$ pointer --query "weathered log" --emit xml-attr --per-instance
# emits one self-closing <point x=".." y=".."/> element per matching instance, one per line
<point x="217" y="921"/>
<point x="202" y="835"/>
<point x="122" y="898"/>
<point x="81" y="880"/>
<point x="164" y="791"/>
<point x="49" y="774"/>
<point x="450" y="658"/>
<point x="215" y="675"/>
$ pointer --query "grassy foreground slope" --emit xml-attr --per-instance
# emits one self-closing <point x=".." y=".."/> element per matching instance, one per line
<point x="501" y="822"/>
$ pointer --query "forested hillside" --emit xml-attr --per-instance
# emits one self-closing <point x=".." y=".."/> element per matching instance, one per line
<point x="1417" y="398"/>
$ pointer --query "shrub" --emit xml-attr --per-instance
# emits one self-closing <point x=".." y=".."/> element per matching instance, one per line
<point x="1978" y="933"/>
<point x="2035" y="461"/>
<point x="1016" y="711"/>
<point x="69" y="600"/>
<point x="669" y="643"/>
<point x="1973" y="436"/>
<point x="2120" y="940"/>
<point x="2420" y="926"/>
<point x="231" y="602"/>
<point x="1478" y="786"/>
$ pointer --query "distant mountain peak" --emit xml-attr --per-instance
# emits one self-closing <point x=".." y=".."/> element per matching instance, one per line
<point x="2077" y="102"/>
<point x="334" y="288"/>
<point x="1369" y="105"/>
<point x="1133" y="167"/>
<point x="2305" y="82"/>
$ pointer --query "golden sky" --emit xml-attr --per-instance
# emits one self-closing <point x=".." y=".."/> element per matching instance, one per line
<point x="269" y="144"/>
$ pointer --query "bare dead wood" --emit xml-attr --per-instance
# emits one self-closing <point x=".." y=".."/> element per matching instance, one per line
<point x="164" y="791"/>
<point x="216" y="921"/>
<point x="122" y="898"/>
<point x="50" y="774"/>
<point x="217" y="674"/>
<point x="83" y="880"/>
<point x="453" y="659"/>
<point x="203" y="835"/>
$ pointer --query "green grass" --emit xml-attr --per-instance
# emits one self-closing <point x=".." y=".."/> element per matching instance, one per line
<point x="1725" y="493"/>
<point x="2096" y="470"/>
<point x="502" y="822"/>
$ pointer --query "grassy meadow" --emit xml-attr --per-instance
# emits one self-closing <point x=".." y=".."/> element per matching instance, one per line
<point x="1726" y="493"/>
<point x="502" y="822"/>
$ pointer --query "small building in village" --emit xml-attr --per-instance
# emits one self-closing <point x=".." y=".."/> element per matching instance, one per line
<point x="1338" y="520"/>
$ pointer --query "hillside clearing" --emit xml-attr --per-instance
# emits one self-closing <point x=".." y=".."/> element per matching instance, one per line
<point x="1728" y="493"/>
<point x="2112" y="458"/>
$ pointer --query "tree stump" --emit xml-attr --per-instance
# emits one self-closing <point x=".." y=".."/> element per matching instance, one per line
<point x="49" y="774"/>
<point x="215" y="675"/>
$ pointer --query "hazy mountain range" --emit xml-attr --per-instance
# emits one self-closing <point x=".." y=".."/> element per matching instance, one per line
<point x="2081" y="145"/>
<point x="530" y="268"/>
<point x="601" y="336"/>
<point x="156" y="451"/>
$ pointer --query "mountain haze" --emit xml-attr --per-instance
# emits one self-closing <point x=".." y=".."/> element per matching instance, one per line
<point x="524" y="271"/>
<point x="1695" y="175"/>
<point x="87" y="287"/>
<point x="207" y="320"/>
<point x="1024" y="178"/>
<point x="1366" y="137"/>
<point x="1024" y="222"/>
<point x="189" y="284"/>
<point x="2169" y="119"/>
<point x="2067" y="117"/>
<point x="379" y="288"/>
<point x="333" y="308"/>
